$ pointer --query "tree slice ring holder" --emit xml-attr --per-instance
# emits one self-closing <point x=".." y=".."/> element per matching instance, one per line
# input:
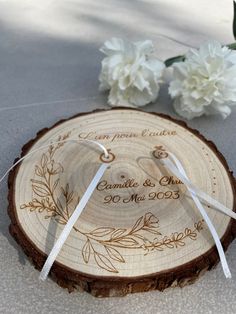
<point x="140" y="231"/>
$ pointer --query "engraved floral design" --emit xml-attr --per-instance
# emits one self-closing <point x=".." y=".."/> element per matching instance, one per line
<point x="45" y="185"/>
<point x="175" y="240"/>
<point x="102" y="244"/>
<point x="113" y="238"/>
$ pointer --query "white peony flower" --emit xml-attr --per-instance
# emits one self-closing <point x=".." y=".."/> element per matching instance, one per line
<point x="130" y="72"/>
<point x="205" y="83"/>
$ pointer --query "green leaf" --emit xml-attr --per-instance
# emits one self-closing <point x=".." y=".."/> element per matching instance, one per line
<point x="234" y="21"/>
<point x="232" y="46"/>
<point x="170" y="61"/>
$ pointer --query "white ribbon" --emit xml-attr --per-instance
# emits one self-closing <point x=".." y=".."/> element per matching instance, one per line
<point x="74" y="217"/>
<point x="79" y="208"/>
<point x="202" y="195"/>
<point x="48" y="145"/>
<point x="178" y="170"/>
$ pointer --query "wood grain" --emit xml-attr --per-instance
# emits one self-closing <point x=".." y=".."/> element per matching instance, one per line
<point x="140" y="231"/>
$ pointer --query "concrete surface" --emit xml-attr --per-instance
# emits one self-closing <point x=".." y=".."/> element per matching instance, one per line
<point x="49" y="63"/>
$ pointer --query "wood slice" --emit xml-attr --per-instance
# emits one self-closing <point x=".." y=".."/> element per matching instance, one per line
<point x="140" y="230"/>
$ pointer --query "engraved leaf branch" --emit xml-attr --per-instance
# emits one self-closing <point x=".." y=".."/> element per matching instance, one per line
<point x="103" y="243"/>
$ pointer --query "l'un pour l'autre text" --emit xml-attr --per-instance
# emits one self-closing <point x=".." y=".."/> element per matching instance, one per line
<point x="125" y="135"/>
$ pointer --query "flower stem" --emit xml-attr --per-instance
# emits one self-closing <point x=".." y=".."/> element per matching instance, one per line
<point x="181" y="58"/>
<point x="231" y="46"/>
<point x="172" y="60"/>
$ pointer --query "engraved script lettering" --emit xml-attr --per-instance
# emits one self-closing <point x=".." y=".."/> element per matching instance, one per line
<point x="125" y="135"/>
<point x="104" y="185"/>
<point x="134" y="198"/>
<point x="166" y="180"/>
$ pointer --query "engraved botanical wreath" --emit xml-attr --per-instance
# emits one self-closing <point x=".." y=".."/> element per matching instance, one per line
<point x="143" y="235"/>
